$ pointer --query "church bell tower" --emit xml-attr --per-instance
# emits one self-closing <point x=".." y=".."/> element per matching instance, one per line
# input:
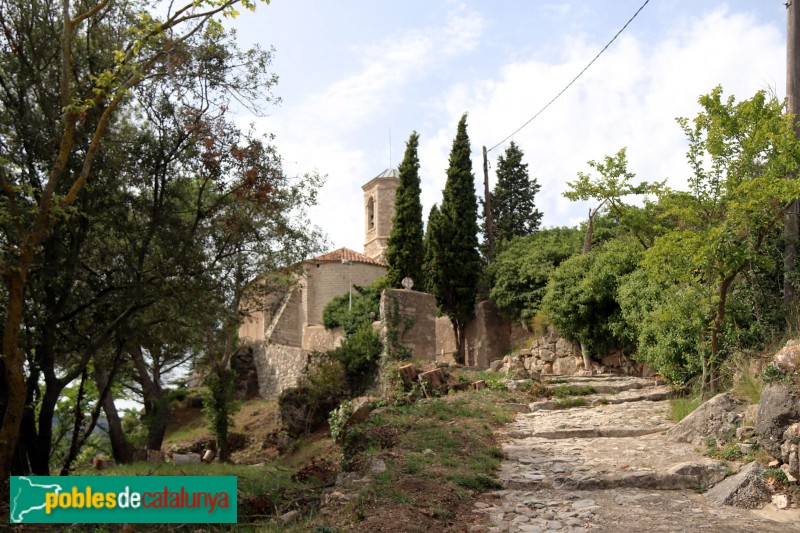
<point x="379" y="195"/>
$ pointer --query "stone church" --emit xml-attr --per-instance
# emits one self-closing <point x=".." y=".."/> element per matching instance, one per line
<point x="287" y="326"/>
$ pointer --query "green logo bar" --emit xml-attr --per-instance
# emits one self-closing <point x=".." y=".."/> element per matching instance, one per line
<point x="123" y="499"/>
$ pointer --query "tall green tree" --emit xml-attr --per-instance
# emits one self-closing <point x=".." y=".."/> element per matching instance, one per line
<point x="514" y="212"/>
<point x="405" y="253"/>
<point x="430" y="264"/>
<point x="458" y="269"/>
<point x="106" y="49"/>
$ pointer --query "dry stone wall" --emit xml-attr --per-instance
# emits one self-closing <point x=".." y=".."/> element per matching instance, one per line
<point x="553" y="354"/>
<point x="279" y="367"/>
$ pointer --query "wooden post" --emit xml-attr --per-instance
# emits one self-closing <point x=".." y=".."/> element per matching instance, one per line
<point x="793" y="106"/>
<point x="487" y="206"/>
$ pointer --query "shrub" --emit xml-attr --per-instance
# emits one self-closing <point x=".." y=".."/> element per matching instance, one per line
<point x="305" y="408"/>
<point x="365" y="308"/>
<point x="359" y="356"/>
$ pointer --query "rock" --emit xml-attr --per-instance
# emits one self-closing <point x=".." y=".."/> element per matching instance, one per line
<point x="790" y="450"/>
<point x="780" y="501"/>
<point x="566" y="365"/>
<point x="745" y="432"/>
<point x="378" y="466"/>
<point x="778" y="409"/>
<point x="434" y="379"/>
<point x="179" y="459"/>
<point x="789" y="477"/>
<point x="745" y="490"/>
<point x="209" y="455"/>
<point x="787" y="359"/>
<point x="155" y="456"/>
<point x="524" y="352"/>
<point x="289" y="517"/>
<point x="495" y="365"/>
<point x="707" y="474"/>
<point x="519" y="407"/>
<point x="564" y="348"/>
<point x="711" y="419"/>
<point x="514" y="384"/>
<point x="547" y="355"/>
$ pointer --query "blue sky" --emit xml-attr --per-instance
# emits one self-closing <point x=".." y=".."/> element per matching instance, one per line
<point x="352" y="70"/>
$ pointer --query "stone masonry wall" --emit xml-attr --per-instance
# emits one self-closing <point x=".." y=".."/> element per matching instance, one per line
<point x="319" y="339"/>
<point x="487" y="337"/>
<point x="553" y="354"/>
<point x="331" y="279"/>
<point x="289" y="329"/>
<point x="278" y="366"/>
<point x="416" y="315"/>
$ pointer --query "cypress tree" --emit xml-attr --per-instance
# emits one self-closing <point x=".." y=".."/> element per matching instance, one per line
<point x="430" y="265"/>
<point x="405" y="252"/>
<point x="459" y="267"/>
<point x="514" y="211"/>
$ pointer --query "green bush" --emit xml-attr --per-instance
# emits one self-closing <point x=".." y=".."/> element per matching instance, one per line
<point x="365" y="308"/>
<point x="359" y="356"/>
<point x="305" y="408"/>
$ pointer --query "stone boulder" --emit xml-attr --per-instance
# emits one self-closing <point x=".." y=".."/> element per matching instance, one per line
<point x="180" y="459"/>
<point x="778" y="409"/>
<point x="718" y="418"/>
<point x="790" y="450"/>
<point x="567" y="365"/>
<point x="745" y="490"/>
<point x="787" y="359"/>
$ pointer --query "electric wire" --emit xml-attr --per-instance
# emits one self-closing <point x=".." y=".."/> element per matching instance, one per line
<point x="573" y="79"/>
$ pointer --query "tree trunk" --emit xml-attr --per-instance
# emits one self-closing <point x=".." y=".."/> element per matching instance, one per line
<point x="14" y="379"/>
<point x="461" y="345"/>
<point x="155" y="404"/>
<point x="587" y="361"/>
<point x="120" y="448"/>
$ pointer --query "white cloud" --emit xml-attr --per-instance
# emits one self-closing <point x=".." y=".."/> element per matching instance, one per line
<point x="313" y="133"/>
<point x="629" y="97"/>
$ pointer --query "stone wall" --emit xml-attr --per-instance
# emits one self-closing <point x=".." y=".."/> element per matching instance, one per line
<point x="278" y="366"/>
<point x="319" y="339"/>
<point x="380" y="193"/>
<point x="415" y="324"/>
<point x="553" y="354"/>
<point x="289" y="326"/>
<point x="331" y="279"/>
<point x="487" y="337"/>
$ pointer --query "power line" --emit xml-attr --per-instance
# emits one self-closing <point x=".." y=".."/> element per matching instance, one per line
<point x="573" y="79"/>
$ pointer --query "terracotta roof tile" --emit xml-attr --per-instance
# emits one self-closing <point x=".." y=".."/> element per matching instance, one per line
<point x="348" y="255"/>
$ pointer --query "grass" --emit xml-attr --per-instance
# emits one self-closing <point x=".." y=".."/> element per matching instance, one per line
<point x="568" y="403"/>
<point x="564" y="391"/>
<point x="747" y="385"/>
<point x="680" y="408"/>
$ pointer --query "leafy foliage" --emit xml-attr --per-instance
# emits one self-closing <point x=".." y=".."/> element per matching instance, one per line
<point x="405" y="253"/>
<point x="514" y="212"/>
<point x="522" y="267"/>
<point x="359" y="355"/>
<point x="365" y="310"/>
<point x="581" y="296"/>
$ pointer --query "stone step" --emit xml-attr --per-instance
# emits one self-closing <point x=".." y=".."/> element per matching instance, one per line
<point x="588" y="433"/>
<point x="651" y="394"/>
<point x="690" y="475"/>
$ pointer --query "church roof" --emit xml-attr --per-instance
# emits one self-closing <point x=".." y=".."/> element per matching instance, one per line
<point x="346" y="254"/>
<point x="389" y="173"/>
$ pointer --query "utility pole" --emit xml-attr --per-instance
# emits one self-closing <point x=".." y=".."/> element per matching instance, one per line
<point x="487" y="207"/>
<point x="791" y="232"/>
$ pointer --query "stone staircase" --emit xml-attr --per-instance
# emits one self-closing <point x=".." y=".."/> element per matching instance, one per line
<point x="608" y="466"/>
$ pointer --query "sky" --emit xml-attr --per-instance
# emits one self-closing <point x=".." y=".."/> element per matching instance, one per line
<point x="357" y="77"/>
